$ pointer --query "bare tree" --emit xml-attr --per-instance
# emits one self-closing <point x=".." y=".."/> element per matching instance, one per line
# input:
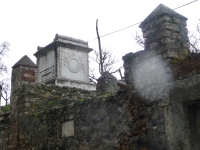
<point x="104" y="59"/>
<point x="194" y="42"/>
<point x="4" y="48"/>
<point x="5" y="89"/>
<point x="108" y="62"/>
<point x="198" y="26"/>
<point x="92" y="75"/>
<point x="194" y="37"/>
<point x="139" y="40"/>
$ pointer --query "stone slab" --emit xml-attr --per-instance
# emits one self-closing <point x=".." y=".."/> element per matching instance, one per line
<point x="68" y="128"/>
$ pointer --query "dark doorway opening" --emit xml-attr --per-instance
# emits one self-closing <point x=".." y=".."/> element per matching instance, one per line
<point x="193" y="116"/>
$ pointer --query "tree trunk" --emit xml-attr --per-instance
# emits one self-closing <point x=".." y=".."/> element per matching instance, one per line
<point x="100" y="52"/>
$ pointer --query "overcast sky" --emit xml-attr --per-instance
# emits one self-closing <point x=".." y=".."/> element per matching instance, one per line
<point x="25" y="24"/>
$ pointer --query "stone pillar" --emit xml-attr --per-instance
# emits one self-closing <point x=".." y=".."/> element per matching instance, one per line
<point x="107" y="83"/>
<point x="165" y="31"/>
<point x="23" y="72"/>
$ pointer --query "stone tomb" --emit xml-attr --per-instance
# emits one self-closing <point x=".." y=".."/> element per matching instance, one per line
<point x="64" y="62"/>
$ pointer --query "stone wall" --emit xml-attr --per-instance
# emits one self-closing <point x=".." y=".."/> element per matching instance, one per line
<point x="149" y="74"/>
<point x="100" y="121"/>
<point x="178" y="76"/>
<point x="4" y="129"/>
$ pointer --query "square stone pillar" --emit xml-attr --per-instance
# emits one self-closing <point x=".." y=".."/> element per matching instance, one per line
<point x="23" y="72"/>
<point x="165" y="31"/>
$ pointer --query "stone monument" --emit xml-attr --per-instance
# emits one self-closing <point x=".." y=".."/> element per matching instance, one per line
<point x="64" y="62"/>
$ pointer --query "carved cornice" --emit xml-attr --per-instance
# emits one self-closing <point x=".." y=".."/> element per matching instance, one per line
<point x="55" y="44"/>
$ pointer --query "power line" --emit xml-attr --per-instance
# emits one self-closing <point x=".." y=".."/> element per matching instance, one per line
<point x="185" y="4"/>
<point x="116" y="31"/>
<point x="138" y="22"/>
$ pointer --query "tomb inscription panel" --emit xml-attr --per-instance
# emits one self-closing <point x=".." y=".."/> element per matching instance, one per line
<point x="74" y="65"/>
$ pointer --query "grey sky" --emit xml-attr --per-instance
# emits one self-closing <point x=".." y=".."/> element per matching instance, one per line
<point x="25" y="24"/>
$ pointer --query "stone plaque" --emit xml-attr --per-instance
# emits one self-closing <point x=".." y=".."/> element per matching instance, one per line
<point x="68" y="128"/>
<point x="28" y="75"/>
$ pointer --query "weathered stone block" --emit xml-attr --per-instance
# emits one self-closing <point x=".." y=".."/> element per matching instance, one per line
<point x="161" y="50"/>
<point x="172" y="54"/>
<point x="170" y="26"/>
<point x="164" y="55"/>
<point x="149" y="54"/>
<point x="177" y="36"/>
<point x="183" y="23"/>
<point x="163" y="34"/>
<point x="177" y="20"/>
<point x="186" y="30"/>
<point x="148" y="33"/>
<point x="170" y="43"/>
<point x="153" y="45"/>
<point x="166" y="40"/>
<point x="146" y="27"/>
<point x="164" y="18"/>
<point x="186" y="45"/>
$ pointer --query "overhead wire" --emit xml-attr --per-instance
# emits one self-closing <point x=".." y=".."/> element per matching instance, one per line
<point x="138" y="22"/>
<point x="185" y="4"/>
<point x="116" y="31"/>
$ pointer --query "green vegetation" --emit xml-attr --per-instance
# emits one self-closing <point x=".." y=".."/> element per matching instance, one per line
<point x="174" y="61"/>
<point x="172" y="20"/>
<point x="6" y="108"/>
<point x="35" y="114"/>
<point x="81" y="101"/>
